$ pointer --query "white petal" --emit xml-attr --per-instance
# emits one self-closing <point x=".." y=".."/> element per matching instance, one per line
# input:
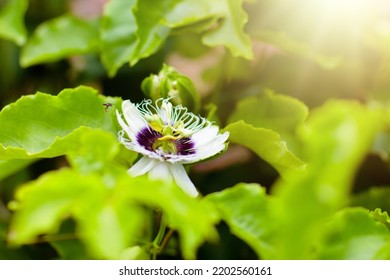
<point x="208" y="142"/>
<point x="182" y="180"/>
<point x="131" y="134"/>
<point x="213" y="147"/>
<point x="135" y="120"/>
<point x="143" y="166"/>
<point x="160" y="171"/>
<point x="205" y="135"/>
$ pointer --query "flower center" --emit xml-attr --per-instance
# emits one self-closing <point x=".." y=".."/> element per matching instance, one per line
<point x="165" y="139"/>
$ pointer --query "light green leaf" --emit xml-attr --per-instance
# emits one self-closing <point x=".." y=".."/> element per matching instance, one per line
<point x="118" y="34"/>
<point x="109" y="218"/>
<point x="380" y="216"/>
<point x="336" y="138"/>
<point x="106" y="222"/>
<point x="59" y="38"/>
<point x="50" y="126"/>
<point x="375" y="197"/>
<point x="277" y="112"/>
<point x="110" y="225"/>
<point x="107" y="204"/>
<point x="97" y="148"/>
<point x="151" y="34"/>
<point x="230" y="33"/>
<point x="267" y="144"/>
<point x="354" y="234"/>
<point x="12" y="21"/>
<point x="42" y="205"/>
<point x="244" y="208"/>
<point x="188" y="12"/>
<point x="193" y="218"/>
<point x="156" y="20"/>
<point x="135" y="253"/>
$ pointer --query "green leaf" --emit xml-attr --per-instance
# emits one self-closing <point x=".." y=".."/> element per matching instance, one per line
<point x="267" y="144"/>
<point x="336" y="138"/>
<point x="135" y="253"/>
<point x="375" y="197"/>
<point x="59" y="38"/>
<point x="151" y="34"/>
<point x="380" y="216"/>
<point x="354" y="234"/>
<point x="156" y="20"/>
<point x="277" y="112"/>
<point x="118" y="34"/>
<point x="244" y="208"/>
<point x="109" y="218"/>
<point x="42" y="205"/>
<point x="50" y="126"/>
<point x="12" y="21"/>
<point x="97" y="148"/>
<point x="230" y="33"/>
<point x="193" y="218"/>
<point x="188" y="13"/>
<point x="110" y="225"/>
<point x="107" y="204"/>
<point x="106" y="222"/>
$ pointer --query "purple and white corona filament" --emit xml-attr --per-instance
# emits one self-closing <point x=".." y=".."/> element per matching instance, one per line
<point x="167" y="136"/>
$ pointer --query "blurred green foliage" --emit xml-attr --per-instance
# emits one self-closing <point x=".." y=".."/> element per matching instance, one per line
<point x="301" y="86"/>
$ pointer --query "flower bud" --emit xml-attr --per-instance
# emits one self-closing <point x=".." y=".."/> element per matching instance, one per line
<point x="169" y="83"/>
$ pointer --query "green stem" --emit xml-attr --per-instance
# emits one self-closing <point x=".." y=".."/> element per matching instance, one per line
<point x="159" y="237"/>
<point x="166" y="239"/>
